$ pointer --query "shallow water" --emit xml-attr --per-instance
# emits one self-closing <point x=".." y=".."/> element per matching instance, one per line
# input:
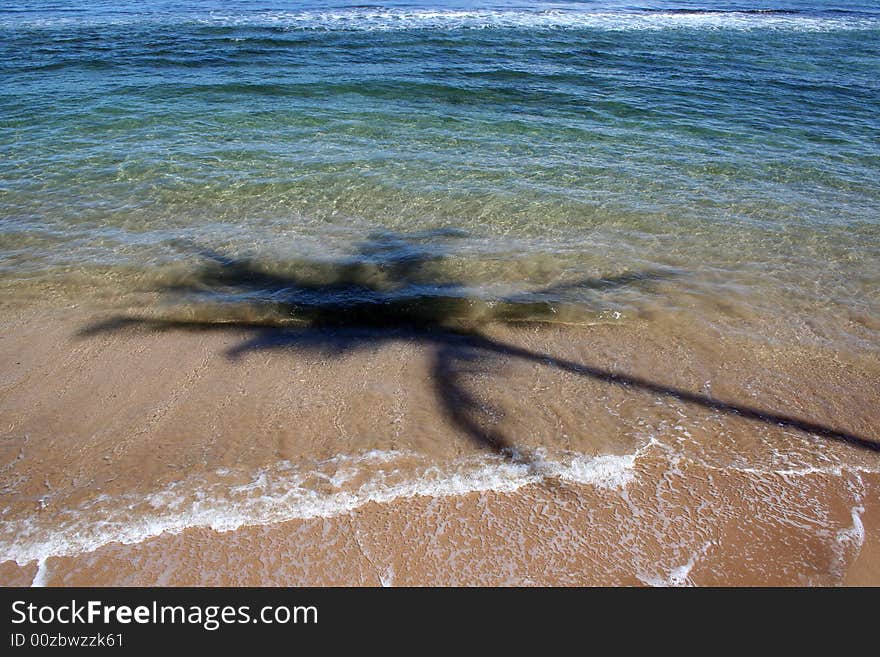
<point x="264" y="263"/>
<point x="558" y="141"/>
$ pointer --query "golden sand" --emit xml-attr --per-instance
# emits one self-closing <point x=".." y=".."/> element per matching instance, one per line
<point x="135" y="423"/>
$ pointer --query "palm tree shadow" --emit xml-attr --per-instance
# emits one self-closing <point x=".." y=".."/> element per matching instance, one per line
<point x="392" y="289"/>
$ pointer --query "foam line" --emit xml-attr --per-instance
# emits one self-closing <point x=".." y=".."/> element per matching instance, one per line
<point x="281" y="493"/>
<point x="377" y="19"/>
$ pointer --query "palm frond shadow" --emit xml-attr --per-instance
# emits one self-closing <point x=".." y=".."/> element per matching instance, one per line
<point x="390" y="291"/>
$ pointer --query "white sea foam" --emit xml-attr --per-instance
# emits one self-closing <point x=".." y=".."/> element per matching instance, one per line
<point x="849" y="541"/>
<point x="41" y="576"/>
<point x="227" y="500"/>
<point x="678" y="576"/>
<point x="287" y="492"/>
<point x="378" y="19"/>
<point x="855" y="534"/>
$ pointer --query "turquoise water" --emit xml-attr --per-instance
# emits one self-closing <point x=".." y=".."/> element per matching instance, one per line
<point x="734" y="144"/>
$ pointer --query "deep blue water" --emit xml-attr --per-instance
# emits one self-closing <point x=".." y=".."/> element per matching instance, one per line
<point x="735" y="141"/>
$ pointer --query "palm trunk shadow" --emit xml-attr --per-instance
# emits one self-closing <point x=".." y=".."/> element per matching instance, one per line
<point x="389" y="292"/>
<point x="617" y="379"/>
<point x="455" y="350"/>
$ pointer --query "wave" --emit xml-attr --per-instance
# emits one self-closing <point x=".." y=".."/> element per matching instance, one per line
<point x="377" y="19"/>
<point x="224" y="502"/>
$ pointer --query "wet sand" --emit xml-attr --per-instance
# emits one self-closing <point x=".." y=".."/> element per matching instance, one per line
<point x="136" y="456"/>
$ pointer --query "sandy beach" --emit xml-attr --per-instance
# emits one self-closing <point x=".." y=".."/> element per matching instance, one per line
<point x="439" y="293"/>
<point x="121" y="447"/>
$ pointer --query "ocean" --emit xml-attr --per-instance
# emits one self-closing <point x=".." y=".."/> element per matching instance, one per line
<point x="267" y="262"/>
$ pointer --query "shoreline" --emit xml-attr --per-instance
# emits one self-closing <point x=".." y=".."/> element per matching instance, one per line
<point x="709" y="498"/>
<point x="448" y="542"/>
